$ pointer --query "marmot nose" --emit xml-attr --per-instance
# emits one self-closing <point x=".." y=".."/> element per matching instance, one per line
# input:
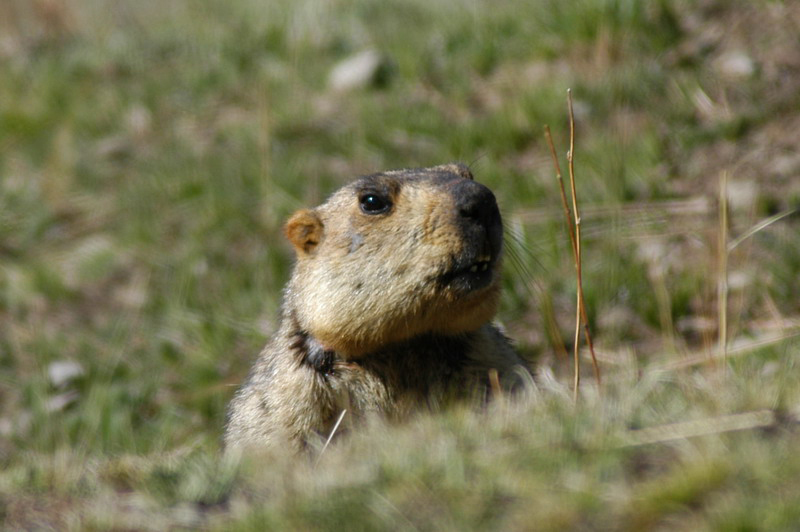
<point x="475" y="202"/>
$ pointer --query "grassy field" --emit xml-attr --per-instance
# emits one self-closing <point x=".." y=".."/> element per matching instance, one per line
<point x="150" y="152"/>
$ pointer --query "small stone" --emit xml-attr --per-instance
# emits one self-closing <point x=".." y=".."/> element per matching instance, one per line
<point x="139" y="120"/>
<point x="786" y="165"/>
<point x="15" y="426"/>
<point x="360" y="70"/>
<point x="736" y="65"/>
<point x="742" y="194"/>
<point x="697" y="325"/>
<point x="62" y="372"/>
<point x="739" y="280"/>
<point x="770" y="368"/>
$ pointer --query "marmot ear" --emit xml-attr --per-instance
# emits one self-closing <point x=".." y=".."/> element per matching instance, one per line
<point x="304" y="230"/>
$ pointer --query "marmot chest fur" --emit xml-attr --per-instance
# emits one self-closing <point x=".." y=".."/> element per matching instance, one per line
<point x="388" y="309"/>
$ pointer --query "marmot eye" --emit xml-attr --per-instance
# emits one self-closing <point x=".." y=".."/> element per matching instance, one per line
<point x="372" y="203"/>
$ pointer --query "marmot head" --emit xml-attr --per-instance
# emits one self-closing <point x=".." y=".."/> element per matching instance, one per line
<point x="395" y="255"/>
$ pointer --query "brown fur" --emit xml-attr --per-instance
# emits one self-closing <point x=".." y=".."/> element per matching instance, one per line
<point x="382" y="313"/>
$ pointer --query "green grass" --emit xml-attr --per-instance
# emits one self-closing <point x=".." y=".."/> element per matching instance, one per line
<point x="150" y="153"/>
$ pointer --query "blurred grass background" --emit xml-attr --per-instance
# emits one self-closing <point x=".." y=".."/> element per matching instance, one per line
<point x="150" y="152"/>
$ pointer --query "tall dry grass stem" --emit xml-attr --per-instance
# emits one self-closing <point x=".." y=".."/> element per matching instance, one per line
<point x="722" y="280"/>
<point x="573" y="217"/>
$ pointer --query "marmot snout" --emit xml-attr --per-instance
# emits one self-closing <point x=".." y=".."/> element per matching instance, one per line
<point x="482" y="232"/>
<point x="388" y="308"/>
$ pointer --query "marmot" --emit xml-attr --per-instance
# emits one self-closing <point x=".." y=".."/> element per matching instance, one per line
<point x="388" y="309"/>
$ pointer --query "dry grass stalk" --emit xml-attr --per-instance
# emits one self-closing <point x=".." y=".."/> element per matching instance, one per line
<point x="575" y="239"/>
<point x="702" y="358"/>
<point x="722" y="288"/>
<point x="656" y="210"/>
<point x="331" y="435"/>
<point x="577" y="242"/>
<point x="702" y="427"/>
<point x="572" y="238"/>
<point x="494" y="382"/>
<point x="763" y="224"/>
